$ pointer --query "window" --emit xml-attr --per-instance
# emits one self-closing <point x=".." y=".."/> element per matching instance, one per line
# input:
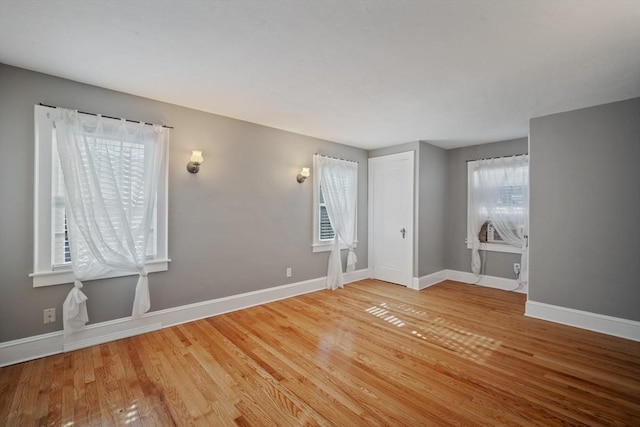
<point x="52" y="260"/>
<point x="503" y="191"/>
<point x="326" y="233"/>
<point x="323" y="233"/>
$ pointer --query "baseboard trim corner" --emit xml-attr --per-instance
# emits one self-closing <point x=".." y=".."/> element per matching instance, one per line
<point x="609" y="325"/>
<point x="423" y="282"/>
<point x="484" y="280"/>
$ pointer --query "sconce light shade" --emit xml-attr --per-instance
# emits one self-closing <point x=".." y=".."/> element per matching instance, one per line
<point x="196" y="156"/>
<point x="196" y="160"/>
<point x="304" y="174"/>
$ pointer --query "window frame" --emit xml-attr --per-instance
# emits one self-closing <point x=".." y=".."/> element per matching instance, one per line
<point x="324" y="245"/>
<point x="44" y="273"/>
<point x="494" y="247"/>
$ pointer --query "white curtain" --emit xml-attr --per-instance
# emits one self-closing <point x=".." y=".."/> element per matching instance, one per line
<point x="499" y="194"/>
<point x="339" y="182"/>
<point x="111" y="170"/>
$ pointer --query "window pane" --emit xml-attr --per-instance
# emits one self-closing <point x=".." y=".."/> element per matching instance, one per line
<point x="60" y="241"/>
<point x="326" y="231"/>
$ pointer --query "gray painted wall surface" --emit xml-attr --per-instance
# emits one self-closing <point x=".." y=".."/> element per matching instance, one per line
<point x="401" y="148"/>
<point x="432" y="205"/>
<point x="585" y="209"/>
<point x="458" y="257"/>
<point x="233" y="228"/>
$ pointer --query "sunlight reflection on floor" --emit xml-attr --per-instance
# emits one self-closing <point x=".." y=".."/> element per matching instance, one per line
<point x="382" y="312"/>
<point x="132" y="414"/>
<point x="439" y="331"/>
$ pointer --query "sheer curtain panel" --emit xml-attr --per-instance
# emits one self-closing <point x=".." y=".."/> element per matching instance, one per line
<point x="111" y="170"/>
<point x="499" y="194"/>
<point x="339" y="182"/>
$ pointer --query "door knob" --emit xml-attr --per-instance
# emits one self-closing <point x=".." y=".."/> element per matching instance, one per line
<point x="403" y="231"/>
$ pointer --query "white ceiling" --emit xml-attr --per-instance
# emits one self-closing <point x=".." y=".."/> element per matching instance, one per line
<point x="364" y="73"/>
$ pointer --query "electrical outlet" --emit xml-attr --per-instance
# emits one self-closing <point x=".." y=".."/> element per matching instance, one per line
<point x="49" y="315"/>
<point x="516" y="268"/>
<point x="289" y="272"/>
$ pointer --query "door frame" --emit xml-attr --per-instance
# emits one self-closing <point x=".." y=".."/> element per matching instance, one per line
<point x="409" y="155"/>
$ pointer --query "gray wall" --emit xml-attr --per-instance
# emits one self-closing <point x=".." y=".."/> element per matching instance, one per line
<point x="233" y="228"/>
<point x="585" y="209"/>
<point x="429" y="199"/>
<point x="432" y="196"/>
<point x="458" y="257"/>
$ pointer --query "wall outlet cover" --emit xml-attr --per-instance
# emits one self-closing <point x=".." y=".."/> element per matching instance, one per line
<point x="49" y="315"/>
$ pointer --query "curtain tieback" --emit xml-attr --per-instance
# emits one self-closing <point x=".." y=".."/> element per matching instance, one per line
<point x="76" y="296"/>
<point x="351" y="260"/>
<point x="74" y="309"/>
<point x="141" y="300"/>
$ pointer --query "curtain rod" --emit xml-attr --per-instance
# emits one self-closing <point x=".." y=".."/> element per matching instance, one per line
<point x="499" y="157"/>
<point x="108" y="117"/>
<point x="337" y="158"/>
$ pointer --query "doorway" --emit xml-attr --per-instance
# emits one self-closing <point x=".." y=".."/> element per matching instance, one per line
<point x="391" y="210"/>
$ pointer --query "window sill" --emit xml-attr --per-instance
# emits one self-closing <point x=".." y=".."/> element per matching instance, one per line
<point x="497" y="247"/>
<point x="60" y="277"/>
<point x="326" y="247"/>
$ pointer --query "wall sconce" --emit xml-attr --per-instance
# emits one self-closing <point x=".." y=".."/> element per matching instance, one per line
<point x="304" y="174"/>
<point x="196" y="160"/>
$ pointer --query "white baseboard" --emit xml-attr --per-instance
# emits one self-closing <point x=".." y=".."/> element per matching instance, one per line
<point x="424" y="282"/>
<point x="30" y="348"/>
<point x="25" y="349"/>
<point x="484" y="280"/>
<point x="465" y="277"/>
<point x="103" y="332"/>
<point x="622" y="328"/>
<point x="609" y="325"/>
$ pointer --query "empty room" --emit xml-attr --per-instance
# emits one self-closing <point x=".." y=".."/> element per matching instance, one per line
<point x="322" y="213"/>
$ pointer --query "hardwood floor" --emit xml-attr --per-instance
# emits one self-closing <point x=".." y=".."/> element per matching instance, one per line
<point x="370" y="354"/>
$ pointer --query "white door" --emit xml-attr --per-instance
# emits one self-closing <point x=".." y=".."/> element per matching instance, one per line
<point x="391" y="218"/>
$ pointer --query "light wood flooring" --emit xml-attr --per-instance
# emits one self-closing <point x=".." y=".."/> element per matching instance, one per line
<point x="368" y="355"/>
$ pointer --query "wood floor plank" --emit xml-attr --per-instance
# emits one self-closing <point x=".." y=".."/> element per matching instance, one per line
<point x="43" y="390"/>
<point x="301" y="380"/>
<point x="54" y="389"/>
<point x="280" y="370"/>
<point x="371" y="354"/>
<point x="254" y="384"/>
<point x="17" y="408"/>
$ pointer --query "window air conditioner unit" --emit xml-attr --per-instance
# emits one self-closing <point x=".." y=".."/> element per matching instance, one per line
<point x="492" y="235"/>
